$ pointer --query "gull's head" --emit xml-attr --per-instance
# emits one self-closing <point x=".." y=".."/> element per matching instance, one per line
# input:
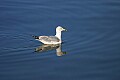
<point x="59" y="28"/>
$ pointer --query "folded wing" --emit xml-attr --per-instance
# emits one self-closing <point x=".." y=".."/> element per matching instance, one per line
<point x="49" y="38"/>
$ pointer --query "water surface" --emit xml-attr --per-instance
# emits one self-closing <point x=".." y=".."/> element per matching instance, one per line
<point x="91" y="46"/>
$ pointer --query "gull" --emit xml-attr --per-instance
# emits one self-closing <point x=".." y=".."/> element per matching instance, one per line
<point x="51" y="39"/>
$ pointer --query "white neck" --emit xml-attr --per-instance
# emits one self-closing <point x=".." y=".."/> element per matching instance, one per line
<point x="58" y="34"/>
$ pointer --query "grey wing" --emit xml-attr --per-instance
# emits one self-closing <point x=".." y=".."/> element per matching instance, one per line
<point x="49" y="38"/>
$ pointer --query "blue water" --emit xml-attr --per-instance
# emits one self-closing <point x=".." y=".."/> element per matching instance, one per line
<point x="91" y="46"/>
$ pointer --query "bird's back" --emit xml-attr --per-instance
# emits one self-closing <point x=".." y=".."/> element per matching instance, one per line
<point x="49" y="39"/>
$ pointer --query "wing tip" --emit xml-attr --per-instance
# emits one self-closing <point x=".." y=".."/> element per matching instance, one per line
<point x="35" y="37"/>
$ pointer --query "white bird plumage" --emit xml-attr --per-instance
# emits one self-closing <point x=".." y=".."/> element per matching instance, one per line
<point x="51" y="39"/>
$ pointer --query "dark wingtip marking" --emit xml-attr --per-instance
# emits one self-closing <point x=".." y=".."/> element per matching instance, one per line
<point x="36" y="37"/>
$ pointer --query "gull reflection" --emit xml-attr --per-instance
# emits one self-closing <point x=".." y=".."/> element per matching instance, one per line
<point x="47" y="47"/>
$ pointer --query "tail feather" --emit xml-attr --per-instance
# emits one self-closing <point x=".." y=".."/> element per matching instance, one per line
<point x="36" y="37"/>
